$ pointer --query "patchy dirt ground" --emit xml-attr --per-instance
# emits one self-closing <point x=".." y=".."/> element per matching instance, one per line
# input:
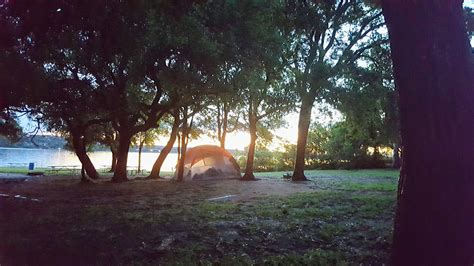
<point x="56" y="220"/>
<point x="55" y="188"/>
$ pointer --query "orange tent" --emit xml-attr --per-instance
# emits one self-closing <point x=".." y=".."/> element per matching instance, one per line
<point x="208" y="162"/>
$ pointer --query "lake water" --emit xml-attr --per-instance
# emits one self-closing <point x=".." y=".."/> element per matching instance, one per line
<point x="59" y="157"/>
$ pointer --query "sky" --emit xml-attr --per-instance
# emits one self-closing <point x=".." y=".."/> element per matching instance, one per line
<point x="288" y="133"/>
<point x="239" y="140"/>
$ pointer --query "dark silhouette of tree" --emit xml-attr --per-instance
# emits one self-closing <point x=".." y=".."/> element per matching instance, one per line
<point x="16" y="89"/>
<point x="223" y="116"/>
<point x="173" y="133"/>
<point x="266" y="100"/>
<point x="326" y="37"/>
<point x="106" y="135"/>
<point x="433" y="66"/>
<point x="125" y="56"/>
<point x="188" y="112"/>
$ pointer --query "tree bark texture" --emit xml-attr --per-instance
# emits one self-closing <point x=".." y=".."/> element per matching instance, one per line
<point x="303" y="127"/>
<point x="114" y="160"/>
<point x="222" y="123"/>
<point x="225" y="118"/>
<point x="140" y="148"/>
<point x="81" y="152"/>
<point x="184" y="143"/>
<point x="433" y="66"/>
<point x="155" y="171"/>
<point x="180" y="175"/>
<point x="248" y="175"/>
<point x="120" y="174"/>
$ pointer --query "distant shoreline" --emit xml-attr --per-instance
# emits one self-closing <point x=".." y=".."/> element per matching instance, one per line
<point x="62" y="149"/>
<point x="21" y="148"/>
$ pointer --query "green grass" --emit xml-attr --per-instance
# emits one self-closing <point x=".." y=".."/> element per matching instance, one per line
<point x="345" y="221"/>
<point x="337" y="173"/>
<point x="18" y="170"/>
<point x="24" y="170"/>
<point x="309" y="173"/>
<point x="47" y="171"/>
<point x="336" y="223"/>
<point x="382" y="186"/>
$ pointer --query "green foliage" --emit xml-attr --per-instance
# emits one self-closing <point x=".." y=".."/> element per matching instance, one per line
<point x="9" y="127"/>
<point x="286" y="158"/>
<point x="264" y="160"/>
<point x="118" y="68"/>
<point x="336" y="146"/>
<point x="146" y="138"/>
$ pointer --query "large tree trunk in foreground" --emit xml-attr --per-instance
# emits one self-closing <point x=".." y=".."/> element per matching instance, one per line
<point x="303" y="127"/>
<point x="434" y="223"/>
<point x="248" y="175"/>
<point x="81" y="152"/>
<point x="155" y="171"/>
<point x="120" y="174"/>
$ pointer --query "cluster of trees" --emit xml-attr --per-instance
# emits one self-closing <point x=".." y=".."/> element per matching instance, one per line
<point x="109" y="71"/>
<point x="115" y="72"/>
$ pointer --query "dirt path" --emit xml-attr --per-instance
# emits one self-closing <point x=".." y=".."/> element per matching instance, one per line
<point x="68" y="188"/>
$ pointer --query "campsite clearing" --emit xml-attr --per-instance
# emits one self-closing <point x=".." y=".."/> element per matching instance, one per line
<point x="343" y="216"/>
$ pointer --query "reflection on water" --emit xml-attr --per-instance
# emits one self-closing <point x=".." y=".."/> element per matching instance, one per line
<point x="60" y="157"/>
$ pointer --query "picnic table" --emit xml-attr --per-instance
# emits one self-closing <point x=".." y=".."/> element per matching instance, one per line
<point x="18" y="165"/>
<point x="56" y="169"/>
<point x="133" y="170"/>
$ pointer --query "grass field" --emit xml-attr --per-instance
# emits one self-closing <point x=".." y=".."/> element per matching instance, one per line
<point x="24" y="170"/>
<point x="337" y="173"/>
<point x="47" y="171"/>
<point x="338" y="217"/>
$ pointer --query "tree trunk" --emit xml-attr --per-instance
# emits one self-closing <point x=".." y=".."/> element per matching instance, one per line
<point x="84" y="177"/>
<point x="434" y="223"/>
<point x="396" y="162"/>
<point x="178" y="136"/>
<point x="248" y="175"/>
<point x="80" y="150"/>
<point x="114" y="160"/>
<point x="223" y="137"/>
<point x="225" y="118"/>
<point x="120" y="174"/>
<point x="183" y="146"/>
<point x="155" y="171"/>
<point x="180" y="174"/>
<point x="140" y="148"/>
<point x="303" y="127"/>
<point x="219" y="124"/>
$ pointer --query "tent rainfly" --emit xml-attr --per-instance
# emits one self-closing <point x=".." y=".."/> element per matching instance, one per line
<point x="209" y="162"/>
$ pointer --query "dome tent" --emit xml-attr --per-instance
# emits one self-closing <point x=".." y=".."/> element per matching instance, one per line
<point x="209" y="162"/>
